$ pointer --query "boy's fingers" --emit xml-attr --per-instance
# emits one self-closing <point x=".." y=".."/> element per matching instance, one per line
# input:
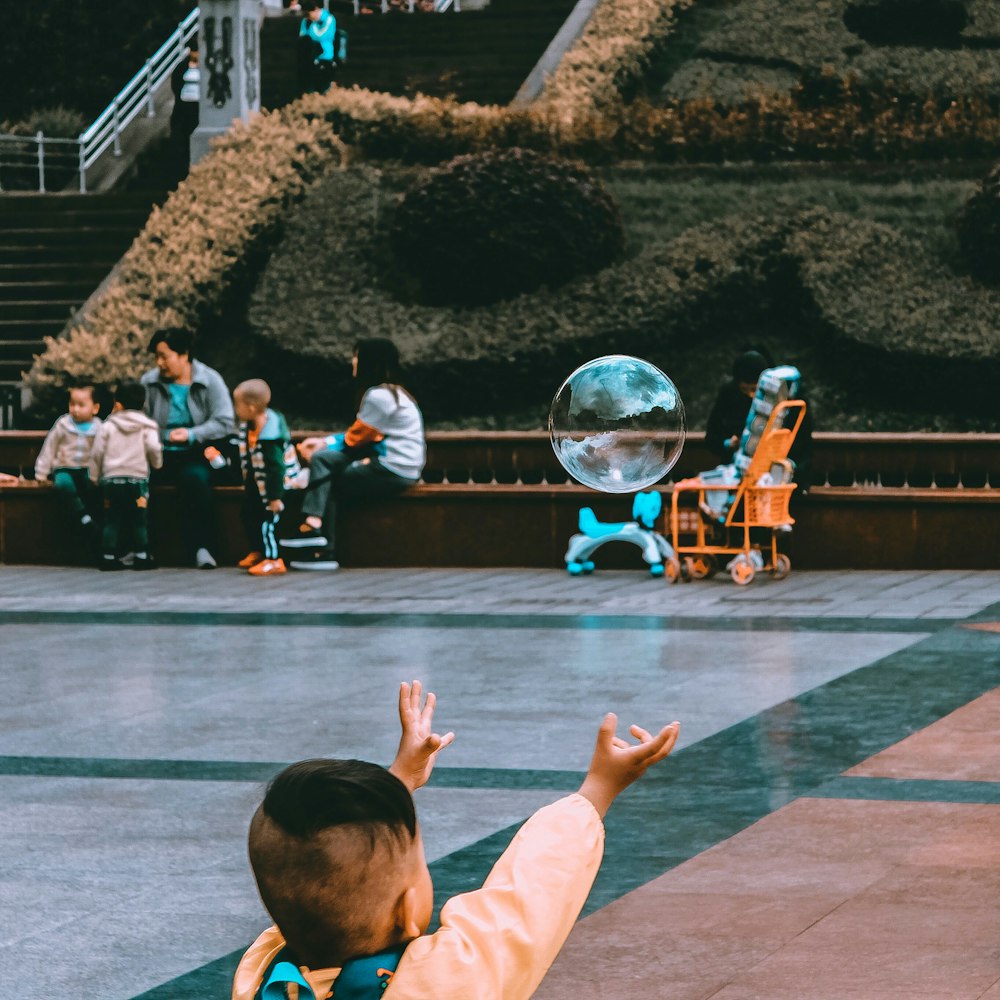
<point x="429" y="707"/>
<point x="404" y="700"/>
<point x="606" y="732"/>
<point x="415" y="696"/>
<point x="619" y="743"/>
<point x="640" y="734"/>
<point x="665" y="742"/>
<point x="446" y="740"/>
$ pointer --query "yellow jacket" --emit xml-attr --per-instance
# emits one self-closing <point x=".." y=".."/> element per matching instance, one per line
<point x="495" y="943"/>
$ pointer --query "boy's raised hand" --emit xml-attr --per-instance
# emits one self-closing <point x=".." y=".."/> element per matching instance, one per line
<point x="616" y="763"/>
<point x="418" y="744"/>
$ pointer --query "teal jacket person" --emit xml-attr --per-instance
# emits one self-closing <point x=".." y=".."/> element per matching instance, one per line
<point x="323" y="31"/>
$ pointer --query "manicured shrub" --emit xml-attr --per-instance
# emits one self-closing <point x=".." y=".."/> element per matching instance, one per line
<point x="978" y="227"/>
<point x="889" y="319"/>
<point x="772" y="45"/>
<point x="907" y="22"/>
<point x="492" y="225"/>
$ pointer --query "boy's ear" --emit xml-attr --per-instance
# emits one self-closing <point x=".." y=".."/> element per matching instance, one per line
<point x="407" y="922"/>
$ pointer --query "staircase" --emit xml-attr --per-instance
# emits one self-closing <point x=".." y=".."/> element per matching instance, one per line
<point x="482" y="55"/>
<point x="54" y="251"/>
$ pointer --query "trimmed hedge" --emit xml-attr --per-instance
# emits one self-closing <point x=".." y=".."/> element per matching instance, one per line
<point x="887" y="316"/>
<point x="907" y="22"/>
<point x="196" y="252"/>
<point x="492" y="225"/>
<point x="978" y="226"/>
<point x="809" y="38"/>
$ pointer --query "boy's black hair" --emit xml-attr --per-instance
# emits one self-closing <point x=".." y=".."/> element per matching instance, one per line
<point x="132" y="395"/>
<point x="176" y="338"/>
<point x="326" y="846"/>
<point x="83" y="387"/>
<point x="314" y="795"/>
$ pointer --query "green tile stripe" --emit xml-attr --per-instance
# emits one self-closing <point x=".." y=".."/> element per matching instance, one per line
<point x="714" y="789"/>
<point x="512" y="779"/>
<point x="330" y="619"/>
<point x="909" y="790"/>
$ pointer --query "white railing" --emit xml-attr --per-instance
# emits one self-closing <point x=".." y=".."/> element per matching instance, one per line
<point x="50" y="156"/>
<point x="440" y="6"/>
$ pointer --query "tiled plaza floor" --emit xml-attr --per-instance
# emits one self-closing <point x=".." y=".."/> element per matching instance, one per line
<point x="829" y="828"/>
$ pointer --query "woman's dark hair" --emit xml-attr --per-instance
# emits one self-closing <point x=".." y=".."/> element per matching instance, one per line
<point x="176" y="338"/>
<point x="378" y="364"/>
<point x="749" y="365"/>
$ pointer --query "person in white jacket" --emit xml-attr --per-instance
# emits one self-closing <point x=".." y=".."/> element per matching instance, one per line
<point x="336" y="851"/>
<point x="127" y="446"/>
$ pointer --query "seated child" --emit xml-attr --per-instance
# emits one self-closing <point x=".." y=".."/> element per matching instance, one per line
<point x="65" y="455"/>
<point x="336" y="851"/>
<point x="126" y="448"/>
<point x="269" y="465"/>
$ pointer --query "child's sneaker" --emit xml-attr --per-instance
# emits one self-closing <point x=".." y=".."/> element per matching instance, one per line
<point x="109" y="564"/>
<point x="268" y="567"/>
<point x="143" y="563"/>
<point x="204" y="559"/>
<point x="307" y="537"/>
<point x="250" y="559"/>
<point x="320" y="559"/>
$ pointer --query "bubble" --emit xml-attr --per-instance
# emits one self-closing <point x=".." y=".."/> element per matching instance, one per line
<point x="617" y="424"/>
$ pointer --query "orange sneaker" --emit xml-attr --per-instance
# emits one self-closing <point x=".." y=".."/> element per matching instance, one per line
<point x="250" y="560"/>
<point x="268" y="567"/>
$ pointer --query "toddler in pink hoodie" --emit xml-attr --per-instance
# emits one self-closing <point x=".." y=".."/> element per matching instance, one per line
<point x="126" y="447"/>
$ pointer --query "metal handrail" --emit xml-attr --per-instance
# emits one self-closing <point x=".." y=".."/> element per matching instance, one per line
<point x="137" y="95"/>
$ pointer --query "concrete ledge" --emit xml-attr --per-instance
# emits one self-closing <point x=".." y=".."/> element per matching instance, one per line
<point x="477" y="525"/>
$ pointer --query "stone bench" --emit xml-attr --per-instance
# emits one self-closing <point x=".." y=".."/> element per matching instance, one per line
<point x="501" y="499"/>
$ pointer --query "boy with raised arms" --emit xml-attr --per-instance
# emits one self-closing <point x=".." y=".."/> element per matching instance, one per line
<point x="336" y="851"/>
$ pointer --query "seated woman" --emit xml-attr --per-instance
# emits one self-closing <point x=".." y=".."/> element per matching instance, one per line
<point x="382" y="454"/>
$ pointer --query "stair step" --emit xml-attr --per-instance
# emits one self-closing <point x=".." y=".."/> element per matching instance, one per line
<point x="29" y="329"/>
<point x="19" y="221"/>
<point x="99" y="254"/>
<point x="73" y="270"/>
<point x="15" y="204"/>
<point x="37" y="290"/>
<point x="65" y="237"/>
<point x="34" y="309"/>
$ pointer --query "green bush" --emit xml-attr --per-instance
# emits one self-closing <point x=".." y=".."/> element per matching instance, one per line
<point x="907" y="22"/>
<point x="978" y="227"/>
<point x="773" y="45"/>
<point x="885" y="316"/>
<point x="491" y="225"/>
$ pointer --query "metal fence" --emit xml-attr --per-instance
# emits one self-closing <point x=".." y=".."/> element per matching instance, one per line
<point x="45" y="163"/>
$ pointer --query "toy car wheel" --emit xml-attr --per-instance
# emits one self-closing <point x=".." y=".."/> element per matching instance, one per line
<point x="574" y="568"/>
<point x="657" y="569"/>
<point x="702" y="567"/>
<point x="686" y="575"/>
<point x="782" y="567"/>
<point x="672" y="569"/>
<point x="742" y="571"/>
<point x="588" y="566"/>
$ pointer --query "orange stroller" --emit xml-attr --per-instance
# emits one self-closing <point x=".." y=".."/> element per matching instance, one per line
<point x="702" y="530"/>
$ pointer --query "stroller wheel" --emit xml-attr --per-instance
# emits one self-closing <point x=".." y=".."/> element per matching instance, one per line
<point x="782" y="567"/>
<point x="672" y="569"/>
<point x="742" y="571"/>
<point x="702" y="567"/>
